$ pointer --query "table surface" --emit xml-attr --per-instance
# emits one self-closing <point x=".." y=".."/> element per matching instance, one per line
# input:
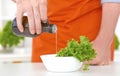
<point x="38" y="69"/>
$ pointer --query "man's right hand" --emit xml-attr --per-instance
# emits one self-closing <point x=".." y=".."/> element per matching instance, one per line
<point x="36" y="11"/>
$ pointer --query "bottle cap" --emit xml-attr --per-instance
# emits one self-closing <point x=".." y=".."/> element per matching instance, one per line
<point x="54" y="28"/>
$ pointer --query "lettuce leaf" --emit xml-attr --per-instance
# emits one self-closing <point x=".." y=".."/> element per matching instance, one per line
<point x="82" y="50"/>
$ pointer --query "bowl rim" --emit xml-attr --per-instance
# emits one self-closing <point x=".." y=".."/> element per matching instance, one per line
<point x="56" y="56"/>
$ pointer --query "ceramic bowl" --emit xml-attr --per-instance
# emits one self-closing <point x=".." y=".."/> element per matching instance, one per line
<point x="60" y="64"/>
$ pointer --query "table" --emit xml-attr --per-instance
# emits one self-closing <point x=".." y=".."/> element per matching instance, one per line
<point x="38" y="69"/>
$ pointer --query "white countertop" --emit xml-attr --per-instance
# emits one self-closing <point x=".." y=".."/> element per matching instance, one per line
<point x="38" y="69"/>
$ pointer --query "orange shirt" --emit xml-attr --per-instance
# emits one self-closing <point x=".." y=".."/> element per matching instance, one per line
<point x="73" y="18"/>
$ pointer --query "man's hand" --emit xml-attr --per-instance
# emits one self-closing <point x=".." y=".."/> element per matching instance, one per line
<point x="36" y="11"/>
<point x="103" y="54"/>
<point x="102" y="43"/>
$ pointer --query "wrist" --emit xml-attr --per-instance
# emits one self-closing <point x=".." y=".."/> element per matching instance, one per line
<point x="103" y="40"/>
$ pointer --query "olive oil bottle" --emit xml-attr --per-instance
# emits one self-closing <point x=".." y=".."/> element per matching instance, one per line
<point x="46" y="27"/>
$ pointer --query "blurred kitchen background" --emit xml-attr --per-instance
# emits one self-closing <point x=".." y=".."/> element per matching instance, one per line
<point x="20" y="48"/>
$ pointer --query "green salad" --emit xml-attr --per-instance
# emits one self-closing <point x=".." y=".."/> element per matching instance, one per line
<point x="81" y="50"/>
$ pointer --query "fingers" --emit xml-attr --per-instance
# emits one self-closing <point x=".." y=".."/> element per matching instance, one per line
<point x="99" y="64"/>
<point x="103" y="54"/>
<point x="36" y="11"/>
<point x="19" y="18"/>
<point x="99" y="61"/>
<point x="31" y="20"/>
<point x="43" y="10"/>
<point x="25" y="7"/>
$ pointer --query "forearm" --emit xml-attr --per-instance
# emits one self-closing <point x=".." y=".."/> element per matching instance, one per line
<point x="110" y="14"/>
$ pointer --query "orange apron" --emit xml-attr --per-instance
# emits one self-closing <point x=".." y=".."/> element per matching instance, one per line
<point x="73" y="18"/>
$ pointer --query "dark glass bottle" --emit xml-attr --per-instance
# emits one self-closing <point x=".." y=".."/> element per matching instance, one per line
<point x="46" y="27"/>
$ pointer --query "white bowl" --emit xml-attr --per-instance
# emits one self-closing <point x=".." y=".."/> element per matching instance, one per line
<point x="60" y="64"/>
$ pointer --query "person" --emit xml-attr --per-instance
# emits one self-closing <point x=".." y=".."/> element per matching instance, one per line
<point x="92" y="18"/>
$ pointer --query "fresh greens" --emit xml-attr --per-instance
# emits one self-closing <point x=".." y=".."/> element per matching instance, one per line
<point x="86" y="67"/>
<point x="82" y="50"/>
<point x="7" y="38"/>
